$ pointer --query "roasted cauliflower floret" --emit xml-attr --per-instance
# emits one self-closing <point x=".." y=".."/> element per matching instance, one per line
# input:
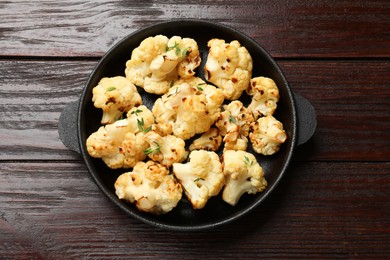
<point x="106" y="142"/>
<point x="187" y="110"/>
<point x="229" y="67"/>
<point x="158" y="61"/>
<point x="201" y="177"/>
<point x="234" y="124"/>
<point x="133" y="147"/>
<point x="265" y="95"/>
<point x="267" y="135"/>
<point x="210" y="141"/>
<point x="115" y="95"/>
<point x="243" y="174"/>
<point x="166" y="150"/>
<point x="150" y="187"/>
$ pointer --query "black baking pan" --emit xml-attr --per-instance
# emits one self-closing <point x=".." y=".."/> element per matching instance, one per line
<point x="80" y="118"/>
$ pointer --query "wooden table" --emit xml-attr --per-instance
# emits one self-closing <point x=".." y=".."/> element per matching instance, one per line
<point x="334" y="202"/>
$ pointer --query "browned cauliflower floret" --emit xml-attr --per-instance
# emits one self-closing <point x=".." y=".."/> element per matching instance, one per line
<point x="106" y="142"/>
<point x="234" y="124"/>
<point x="158" y="61"/>
<point x="187" y="110"/>
<point x="267" y="135"/>
<point x="229" y="67"/>
<point x="133" y="147"/>
<point x="114" y="96"/>
<point x="150" y="187"/>
<point x="210" y="141"/>
<point x="265" y="95"/>
<point x="243" y="174"/>
<point x="166" y="150"/>
<point x="201" y="177"/>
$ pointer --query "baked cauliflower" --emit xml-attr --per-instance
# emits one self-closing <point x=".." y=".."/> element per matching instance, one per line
<point x="201" y="177"/>
<point x="132" y="148"/>
<point x="115" y="95"/>
<point x="265" y="95"/>
<point x="166" y="150"/>
<point x="158" y="61"/>
<point x="210" y="141"/>
<point x="229" y="67"/>
<point x="186" y="110"/>
<point x="234" y="124"/>
<point x="150" y="187"/>
<point x="243" y="174"/>
<point x="267" y="135"/>
<point x="106" y="142"/>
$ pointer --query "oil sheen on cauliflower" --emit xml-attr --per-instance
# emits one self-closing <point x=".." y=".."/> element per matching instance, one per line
<point x="267" y="135"/>
<point x="158" y="61"/>
<point x="115" y="95"/>
<point x="201" y="177"/>
<point x="265" y="95"/>
<point x="234" y="124"/>
<point x="229" y="67"/>
<point x="107" y="141"/>
<point x="243" y="174"/>
<point x="166" y="150"/>
<point x="187" y="109"/>
<point x="150" y="187"/>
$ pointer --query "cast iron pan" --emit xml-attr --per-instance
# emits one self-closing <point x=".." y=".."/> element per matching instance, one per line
<point x="79" y="119"/>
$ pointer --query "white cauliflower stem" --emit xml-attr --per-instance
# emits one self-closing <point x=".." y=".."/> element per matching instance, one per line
<point x="265" y="95"/>
<point x="150" y="187"/>
<point x="243" y="174"/>
<point x="234" y="124"/>
<point x="201" y="177"/>
<point x="229" y="67"/>
<point x="267" y="135"/>
<point x="158" y="61"/>
<point x="114" y="96"/>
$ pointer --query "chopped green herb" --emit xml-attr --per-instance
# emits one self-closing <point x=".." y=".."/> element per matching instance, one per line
<point x="135" y="112"/>
<point x="184" y="53"/>
<point x="247" y="161"/>
<point x="232" y="119"/>
<point x="141" y="125"/>
<point x="174" y="47"/>
<point x="199" y="86"/>
<point x="151" y="150"/>
<point x="198" y="179"/>
<point x="174" y="93"/>
<point x="172" y="83"/>
<point x="110" y="89"/>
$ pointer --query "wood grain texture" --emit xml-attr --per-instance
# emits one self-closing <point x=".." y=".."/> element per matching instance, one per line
<point x="351" y="99"/>
<point x="292" y="28"/>
<point x="54" y="210"/>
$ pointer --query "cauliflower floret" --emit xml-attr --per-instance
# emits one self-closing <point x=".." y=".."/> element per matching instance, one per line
<point x="165" y="61"/>
<point x="234" y="124"/>
<point x="210" y="140"/>
<point x="165" y="149"/>
<point x="265" y="95"/>
<point x="106" y="142"/>
<point x="267" y="135"/>
<point x="229" y="67"/>
<point x="201" y="177"/>
<point x="150" y="187"/>
<point x="133" y="147"/>
<point x="187" y="110"/>
<point x="114" y="96"/>
<point x="243" y="174"/>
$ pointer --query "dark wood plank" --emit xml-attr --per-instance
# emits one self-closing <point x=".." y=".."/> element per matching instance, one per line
<point x="292" y="28"/>
<point x="320" y="210"/>
<point x="351" y="99"/>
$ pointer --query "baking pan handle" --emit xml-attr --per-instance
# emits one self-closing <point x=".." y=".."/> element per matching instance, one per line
<point x="67" y="126"/>
<point x="306" y="119"/>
